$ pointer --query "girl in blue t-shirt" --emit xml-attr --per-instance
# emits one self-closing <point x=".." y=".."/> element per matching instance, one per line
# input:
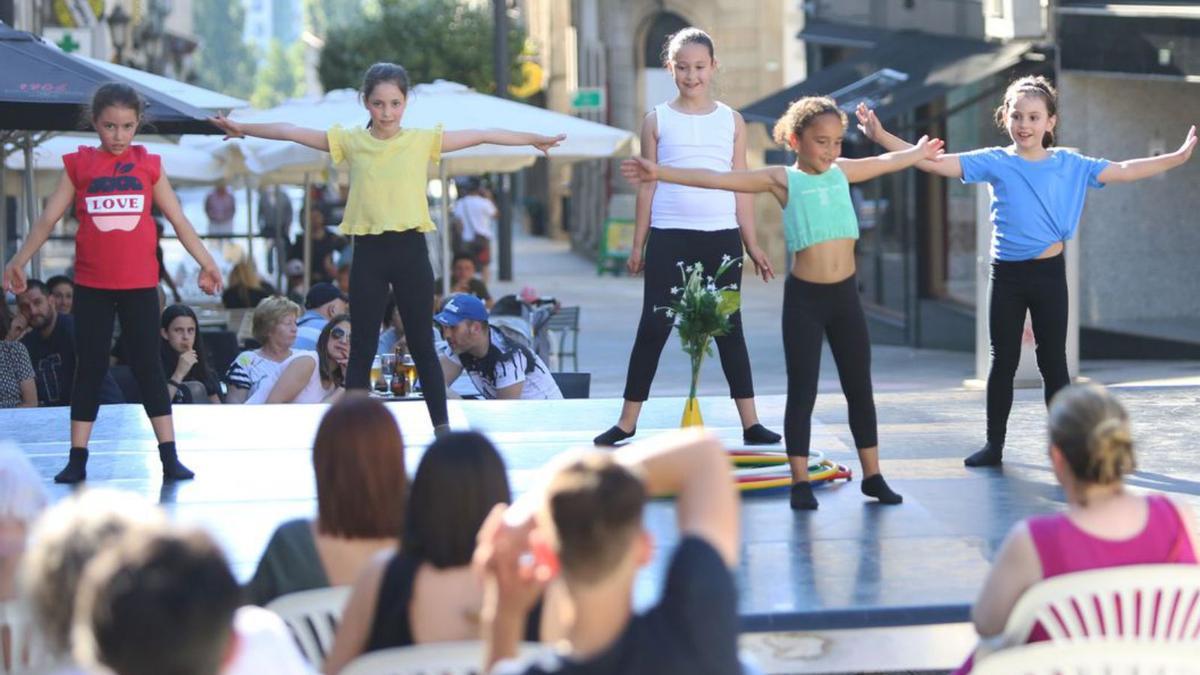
<point x="1037" y="198"/>
<point x="820" y="297"/>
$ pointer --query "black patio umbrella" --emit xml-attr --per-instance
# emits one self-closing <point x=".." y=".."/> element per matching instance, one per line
<point x="42" y="89"/>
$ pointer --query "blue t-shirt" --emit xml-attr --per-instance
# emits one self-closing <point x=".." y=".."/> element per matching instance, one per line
<point x="1034" y="204"/>
<point x="308" y="330"/>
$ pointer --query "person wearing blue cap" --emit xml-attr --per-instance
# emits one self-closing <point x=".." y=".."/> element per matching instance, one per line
<point x="323" y="302"/>
<point x="499" y="366"/>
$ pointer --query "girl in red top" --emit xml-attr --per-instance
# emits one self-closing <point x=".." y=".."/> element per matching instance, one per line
<point x="116" y="271"/>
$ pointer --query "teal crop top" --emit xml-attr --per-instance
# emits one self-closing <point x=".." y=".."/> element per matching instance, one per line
<point x="818" y="209"/>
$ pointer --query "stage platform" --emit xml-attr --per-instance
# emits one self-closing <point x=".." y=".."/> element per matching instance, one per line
<point x="852" y="586"/>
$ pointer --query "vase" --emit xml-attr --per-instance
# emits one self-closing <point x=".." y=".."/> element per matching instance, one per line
<point x="691" y="413"/>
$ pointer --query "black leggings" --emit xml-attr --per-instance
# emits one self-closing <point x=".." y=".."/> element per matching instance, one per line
<point x="664" y="249"/>
<point x="810" y="313"/>
<point x="94" y="310"/>
<point x="396" y="262"/>
<point x="1039" y="287"/>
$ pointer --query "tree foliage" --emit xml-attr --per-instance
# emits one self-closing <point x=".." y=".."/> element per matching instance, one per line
<point x="224" y="62"/>
<point x="281" y="76"/>
<point x="432" y="39"/>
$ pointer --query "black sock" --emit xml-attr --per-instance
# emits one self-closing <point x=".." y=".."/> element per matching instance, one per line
<point x="802" y="496"/>
<point x="991" y="454"/>
<point x="875" y="486"/>
<point x="614" y="435"/>
<point x="173" y="469"/>
<point x="76" y="468"/>
<point x="760" y="435"/>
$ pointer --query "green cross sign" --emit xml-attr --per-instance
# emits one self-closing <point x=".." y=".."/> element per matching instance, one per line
<point x="68" y="44"/>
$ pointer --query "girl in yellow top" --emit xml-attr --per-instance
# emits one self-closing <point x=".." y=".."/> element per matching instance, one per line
<point x="388" y="216"/>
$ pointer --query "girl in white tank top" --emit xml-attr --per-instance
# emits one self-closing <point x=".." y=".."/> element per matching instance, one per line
<point x="679" y="223"/>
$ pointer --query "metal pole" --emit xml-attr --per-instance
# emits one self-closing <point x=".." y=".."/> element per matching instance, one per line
<point x="249" y="223"/>
<point x="3" y="212"/>
<point x="307" y="235"/>
<point x="35" y="267"/>
<point x="445" y="233"/>
<point x="504" y="230"/>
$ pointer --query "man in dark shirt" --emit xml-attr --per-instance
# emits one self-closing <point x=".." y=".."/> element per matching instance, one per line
<point x="586" y="524"/>
<point x="51" y="346"/>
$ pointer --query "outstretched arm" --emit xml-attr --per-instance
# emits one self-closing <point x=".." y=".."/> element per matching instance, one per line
<point x="859" y="170"/>
<point x="771" y="179"/>
<point x="56" y="206"/>
<point x="466" y="138"/>
<point x="1137" y="169"/>
<point x="164" y="197"/>
<point x="278" y="131"/>
<point x="872" y="128"/>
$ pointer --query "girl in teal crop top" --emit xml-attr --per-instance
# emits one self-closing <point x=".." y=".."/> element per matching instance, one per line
<point x="815" y="197"/>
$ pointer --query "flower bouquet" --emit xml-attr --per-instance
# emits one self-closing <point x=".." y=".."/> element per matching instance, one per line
<point x="700" y="312"/>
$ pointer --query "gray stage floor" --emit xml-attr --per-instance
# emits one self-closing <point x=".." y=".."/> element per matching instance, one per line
<point x="852" y="564"/>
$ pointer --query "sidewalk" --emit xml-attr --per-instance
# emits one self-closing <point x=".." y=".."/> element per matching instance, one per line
<point x="611" y="307"/>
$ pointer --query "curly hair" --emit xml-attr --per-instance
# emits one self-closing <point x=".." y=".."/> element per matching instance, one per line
<point x="1030" y="85"/>
<point x="801" y="113"/>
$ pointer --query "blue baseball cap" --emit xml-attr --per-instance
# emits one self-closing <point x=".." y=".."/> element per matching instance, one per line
<point x="461" y="306"/>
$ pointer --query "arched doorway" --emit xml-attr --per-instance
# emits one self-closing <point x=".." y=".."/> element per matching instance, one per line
<point x="657" y="84"/>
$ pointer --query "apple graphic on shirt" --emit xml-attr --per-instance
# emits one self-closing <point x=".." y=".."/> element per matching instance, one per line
<point x="111" y="210"/>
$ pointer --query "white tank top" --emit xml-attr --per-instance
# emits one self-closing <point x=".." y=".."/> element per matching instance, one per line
<point x="694" y="142"/>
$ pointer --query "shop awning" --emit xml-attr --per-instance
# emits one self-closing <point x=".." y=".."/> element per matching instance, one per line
<point x="905" y="70"/>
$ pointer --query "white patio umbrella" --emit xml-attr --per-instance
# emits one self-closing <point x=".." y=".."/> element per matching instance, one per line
<point x="184" y="165"/>
<point x="189" y="93"/>
<point x="450" y="104"/>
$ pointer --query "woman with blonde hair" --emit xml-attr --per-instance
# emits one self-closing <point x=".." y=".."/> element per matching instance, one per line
<point x="274" y="328"/>
<point x="245" y="288"/>
<point x="1091" y="452"/>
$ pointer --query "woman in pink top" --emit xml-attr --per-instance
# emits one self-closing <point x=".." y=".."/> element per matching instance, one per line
<point x="1104" y="525"/>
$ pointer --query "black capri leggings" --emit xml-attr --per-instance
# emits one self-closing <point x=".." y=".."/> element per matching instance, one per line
<point x="1039" y="287"/>
<point x="94" y="310"/>
<point x="395" y="262"/>
<point x="664" y="249"/>
<point x="811" y="312"/>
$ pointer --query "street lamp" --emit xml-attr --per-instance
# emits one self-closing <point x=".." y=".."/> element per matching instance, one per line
<point x="121" y="29"/>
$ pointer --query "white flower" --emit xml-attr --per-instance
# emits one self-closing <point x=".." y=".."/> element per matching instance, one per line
<point x="710" y="280"/>
<point x="675" y="289"/>
<point x="670" y="314"/>
<point x="733" y="287"/>
<point x="712" y="288"/>
<point x="679" y="263"/>
<point x="725" y="258"/>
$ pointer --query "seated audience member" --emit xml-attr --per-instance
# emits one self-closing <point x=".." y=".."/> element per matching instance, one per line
<point x="66" y="537"/>
<point x="245" y="288"/>
<point x="323" y="302"/>
<point x="293" y="271"/>
<point x="312" y="377"/>
<point x="345" y="261"/>
<point x="17" y="388"/>
<point x="393" y="331"/>
<point x="158" y="603"/>
<point x="358" y="459"/>
<point x="23" y="497"/>
<point x="463" y="279"/>
<point x="498" y="365"/>
<point x="1091" y="450"/>
<point x="183" y="355"/>
<point x="274" y="327"/>
<point x="586" y="523"/>
<point x="325" y="245"/>
<point x="51" y="346"/>
<point x="426" y="591"/>
<point x="62" y="292"/>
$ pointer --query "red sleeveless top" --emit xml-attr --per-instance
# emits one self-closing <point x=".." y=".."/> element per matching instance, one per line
<point x="114" y="248"/>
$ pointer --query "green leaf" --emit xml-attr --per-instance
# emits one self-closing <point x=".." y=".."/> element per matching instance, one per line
<point x="731" y="301"/>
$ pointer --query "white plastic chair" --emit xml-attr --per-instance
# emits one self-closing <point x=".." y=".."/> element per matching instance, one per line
<point x="1093" y="658"/>
<point x="313" y="617"/>
<point x="432" y="658"/>
<point x="25" y="648"/>
<point x="1155" y="603"/>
